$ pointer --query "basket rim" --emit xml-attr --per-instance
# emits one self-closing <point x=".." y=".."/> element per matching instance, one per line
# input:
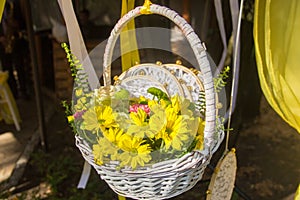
<point x="195" y="156"/>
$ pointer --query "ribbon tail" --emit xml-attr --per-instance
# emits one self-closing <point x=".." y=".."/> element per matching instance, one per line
<point x="84" y="176"/>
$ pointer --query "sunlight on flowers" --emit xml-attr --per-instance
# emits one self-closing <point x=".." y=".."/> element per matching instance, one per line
<point x="136" y="152"/>
<point x="98" y="119"/>
<point x="103" y="149"/>
<point x="175" y="132"/>
<point x="141" y="131"/>
<point x="113" y="135"/>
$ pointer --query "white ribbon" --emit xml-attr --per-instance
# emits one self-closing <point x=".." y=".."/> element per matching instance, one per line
<point x="234" y="8"/>
<point x="85" y="174"/>
<point x="78" y="48"/>
<point x="236" y="12"/>
<point x="77" y="45"/>
<point x="220" y="18"/>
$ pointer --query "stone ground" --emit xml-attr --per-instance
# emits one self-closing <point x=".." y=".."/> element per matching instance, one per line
<point x="268" y="154"/>
<point x="13" y="142"/>
<point x="10" y="152"/>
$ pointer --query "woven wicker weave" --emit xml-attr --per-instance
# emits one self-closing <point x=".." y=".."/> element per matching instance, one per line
<point x="168" y="178"/>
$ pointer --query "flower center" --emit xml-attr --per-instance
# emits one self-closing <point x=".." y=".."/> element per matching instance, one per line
<point x="101" y="121"/>
<point x="169" y="130"/>
<point x="133" y="152"/>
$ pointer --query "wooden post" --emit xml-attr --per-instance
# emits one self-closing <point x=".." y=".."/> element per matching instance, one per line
<point x="33" y="53"/>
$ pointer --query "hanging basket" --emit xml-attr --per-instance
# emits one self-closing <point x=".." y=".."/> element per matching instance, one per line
<point x="170" y="177"/>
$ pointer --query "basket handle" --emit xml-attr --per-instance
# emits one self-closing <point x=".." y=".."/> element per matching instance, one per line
<point x="196" y="45"/>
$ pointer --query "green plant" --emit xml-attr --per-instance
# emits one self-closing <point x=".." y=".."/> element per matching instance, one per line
<point x="219" y="81"/>
<point x="56" y="171"/>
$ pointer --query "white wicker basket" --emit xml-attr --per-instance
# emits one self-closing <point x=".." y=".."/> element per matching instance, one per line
<point x="168" y="178"/>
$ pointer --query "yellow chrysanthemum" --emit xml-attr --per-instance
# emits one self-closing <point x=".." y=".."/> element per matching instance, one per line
<point x="113" y="135"/>
<point x="98" y="154"/>
<point x="157" y="122"/>
<point x="139" y="127"/>
<point x="176" y="131"/>
<point x="139" y="117"/>
<point x="185" y="110"/>
<point x="123" y="120"/>
<point x="176" y="104"/>
<point x="200" y="135"/>
<point x="99" y="118"/>
<point x="136" y="153"/>
<point x="103" y="150"/>
<point x="164" y="103"/>
<point x="197" y="131"/>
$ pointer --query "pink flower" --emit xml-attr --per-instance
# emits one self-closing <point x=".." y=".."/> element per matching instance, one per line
<point x="79" y="114"/>
<point x="135" y="107"/>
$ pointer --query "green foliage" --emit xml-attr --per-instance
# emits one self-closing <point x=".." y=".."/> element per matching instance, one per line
<point x="67" y="107"/>
<point x="69" y="114"/>
<point x="219" y="84"/>
<point x="56" y="171"/>
<point x="60" y="170"/>
<point x="158" y="93"/>
<point x="79" y="74"/>
<point x="81" y="85"/>
<point x="219" y="81"/>
<point x="201" y="105"/>
<point x="220" y="125"/>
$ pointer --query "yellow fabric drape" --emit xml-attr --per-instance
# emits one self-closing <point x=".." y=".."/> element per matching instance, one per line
<point x="5" y="112"/>
<point x="297" y="195"/>
<point x="129" y="52"/>
<point x="2" y="4"/>
<point x="277" y="45"/>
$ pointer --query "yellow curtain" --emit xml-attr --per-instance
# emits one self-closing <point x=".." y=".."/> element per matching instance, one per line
<point x="2" y="4"/>
<point x="129" y="52"/>
<point x="277" y="45"/>
<point x="5" y="112"/>
<point x="297" y="195"/>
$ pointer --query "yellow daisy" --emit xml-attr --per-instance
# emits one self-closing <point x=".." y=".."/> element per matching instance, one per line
<point x="176" y="131"/>
<point x="139" y="117"/>
<point x="98" y="154"/>
<point x="157" y="122"/>
<point x="196" y="126"/>
<point x="176" y="104"/>
<point x="136" y="153"/>
<point x="187" y="108"/>
<point x="98" y="119"/>
<point x="200" y="135"/>
<point x="113" y="135"/>
<point x="139" y="127"/>
<point x="103" y="150"/>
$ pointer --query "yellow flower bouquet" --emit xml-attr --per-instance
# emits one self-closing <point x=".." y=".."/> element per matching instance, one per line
<point x="133" y="127"/>
<point x="136" y="131"/>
